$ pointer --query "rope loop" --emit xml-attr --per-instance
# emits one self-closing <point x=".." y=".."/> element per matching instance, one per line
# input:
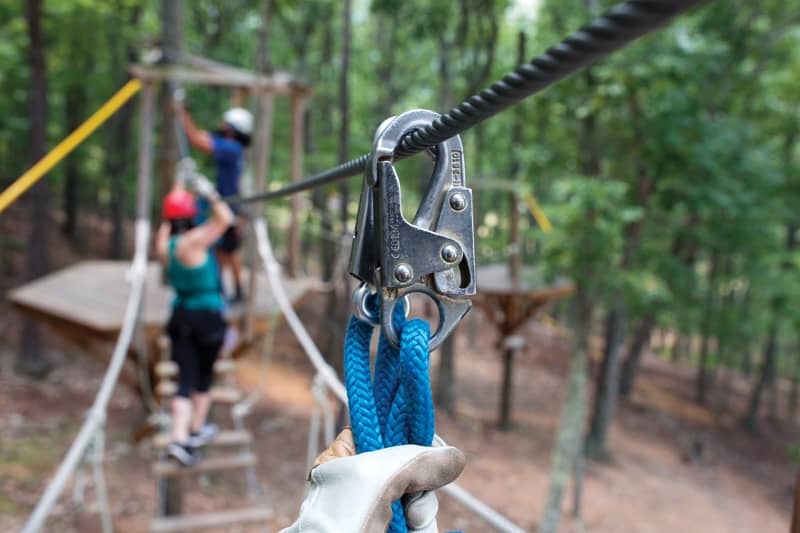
<point x="395" y="406"/>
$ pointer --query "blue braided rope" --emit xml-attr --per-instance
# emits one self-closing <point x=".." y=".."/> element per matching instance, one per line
<point x="359" y="389"/>
<point x="395" y="407"/>
<point x="415" y="381"/>
<point x="387" y="372"/>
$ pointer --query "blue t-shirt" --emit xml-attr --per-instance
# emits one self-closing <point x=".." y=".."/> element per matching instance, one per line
<point x="228" y="156"/>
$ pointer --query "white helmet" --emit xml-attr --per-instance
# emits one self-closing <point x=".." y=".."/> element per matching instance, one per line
<point x="239" y="119"/>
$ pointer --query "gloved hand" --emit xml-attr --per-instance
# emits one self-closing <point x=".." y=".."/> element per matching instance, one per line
<point x="202" y="187"/>
<point x="353" y="493"/>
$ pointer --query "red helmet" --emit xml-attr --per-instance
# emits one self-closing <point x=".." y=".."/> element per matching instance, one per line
<point x="179" y="204"/>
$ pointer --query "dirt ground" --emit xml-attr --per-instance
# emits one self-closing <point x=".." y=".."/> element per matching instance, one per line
<point x="676" y="466"/>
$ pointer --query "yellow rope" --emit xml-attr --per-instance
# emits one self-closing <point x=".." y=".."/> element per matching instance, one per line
<point x="29" y="178"/>
<point x="536" y="211"/>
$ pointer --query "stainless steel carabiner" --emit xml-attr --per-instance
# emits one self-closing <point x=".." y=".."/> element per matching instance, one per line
<point x="434" y="253"/>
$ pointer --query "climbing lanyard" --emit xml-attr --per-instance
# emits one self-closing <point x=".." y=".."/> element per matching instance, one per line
<point x="393" y="258"/>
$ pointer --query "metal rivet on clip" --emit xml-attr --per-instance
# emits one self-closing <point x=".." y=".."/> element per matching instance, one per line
<point x="458" y="202"/>
<point x="449" y="253"/>
<point x="403" y="273"/>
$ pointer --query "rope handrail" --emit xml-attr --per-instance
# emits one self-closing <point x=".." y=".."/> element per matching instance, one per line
<point x="619" y="26"/>
<point x="328" y="376"/>
<point x="97" y="414"/>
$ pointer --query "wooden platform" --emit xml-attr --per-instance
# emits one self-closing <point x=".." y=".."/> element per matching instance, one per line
<point x="85" y="304"/>
<point x="92" y="295"/>
<point x="496" y="280"/>
<point x="509" y="305"/>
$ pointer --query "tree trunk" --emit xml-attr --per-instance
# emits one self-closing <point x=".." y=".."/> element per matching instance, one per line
<point x="705" y="346"/>
<point x="117" y="168"/>
<point x="29" y="359"/>
<point x="630" y="366"/>
<point x="446" y="379"/>
<point x="680" y="350"/>
<point x="794" y="393"/>
<point x="514" y="241"/>
<point x="767" y="375"/>
<point x="117" y="163"/>
<point x="172" y="45"/>
<point x="606" y="389"/>
<point x="73" y="110"/>
<point x="569" y="440"/>
<point x="446" y="387"/>
<point x="344" y="108"/>
<point x="387" y="27"/>
<point x="743" y="341"/>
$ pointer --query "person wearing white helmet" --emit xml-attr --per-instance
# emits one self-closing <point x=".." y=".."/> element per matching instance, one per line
<point x="226" y="146"/>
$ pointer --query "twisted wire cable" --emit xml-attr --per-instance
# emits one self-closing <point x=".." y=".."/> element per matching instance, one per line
<point x="619" y="26"/>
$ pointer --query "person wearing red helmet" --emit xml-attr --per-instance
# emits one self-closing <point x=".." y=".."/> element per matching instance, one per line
<point x="226" y="147"/>
<point x="196" y="326"/>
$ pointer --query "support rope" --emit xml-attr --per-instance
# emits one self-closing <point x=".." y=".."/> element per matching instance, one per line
<point x="619" y="26"/>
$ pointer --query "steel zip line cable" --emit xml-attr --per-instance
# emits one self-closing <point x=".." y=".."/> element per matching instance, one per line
<point x="619" y="26"/>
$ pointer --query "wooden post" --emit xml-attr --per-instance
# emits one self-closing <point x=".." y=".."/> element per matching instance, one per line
<point x="796" y="510"/>
<point x="145" y="163"/>
<point x="170" y="494"/>
<point x="511" y="346"/>
<point x="237" y="97"/>
<point x="514" y="245"/>
<point x="262" y="152"/>
<point x="298" y="104"/>
<point x="144" y="188"/>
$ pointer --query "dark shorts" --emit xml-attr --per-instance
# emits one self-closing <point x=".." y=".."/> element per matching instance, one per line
<point x="197" y="337"/>
<point x="230" y="240"/>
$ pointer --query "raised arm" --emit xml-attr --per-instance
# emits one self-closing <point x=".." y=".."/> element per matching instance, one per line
<point x="198" y="138"/>
<point x="162" y="241"/>
<point x="207" y="233"/>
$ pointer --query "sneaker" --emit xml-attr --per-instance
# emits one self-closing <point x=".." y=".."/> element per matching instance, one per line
<point x="203" y="436"/>
<point x="182" y="453"/>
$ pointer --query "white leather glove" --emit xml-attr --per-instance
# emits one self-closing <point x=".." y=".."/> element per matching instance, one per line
<point x="202" y="187"/>
<point x="354" y="493"/>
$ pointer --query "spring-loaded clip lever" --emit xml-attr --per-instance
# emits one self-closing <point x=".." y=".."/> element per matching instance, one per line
<point x="434" y="254"/>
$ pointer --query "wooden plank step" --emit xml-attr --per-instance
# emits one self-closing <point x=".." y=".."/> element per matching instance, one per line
<point x="166" y="369"/>
<point x="224" y="394"/>
<point x="170" y="524"/>
<point x="165" y="468"/>
<point x="225" y="365"/>
<point x="223" y="438"/>
<point x="219" y="394"/>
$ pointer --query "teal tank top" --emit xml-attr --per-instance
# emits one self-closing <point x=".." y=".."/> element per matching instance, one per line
<point x="195" y="287"/>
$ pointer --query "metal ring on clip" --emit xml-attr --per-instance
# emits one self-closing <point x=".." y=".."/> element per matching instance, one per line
<point x="360" y="295"/>
<point x="447" y="321"/>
